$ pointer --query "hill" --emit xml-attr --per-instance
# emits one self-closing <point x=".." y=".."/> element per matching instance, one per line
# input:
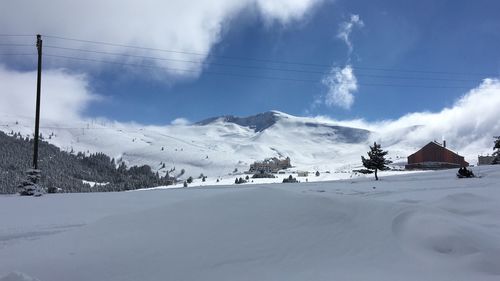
<point x="219" y="146"/>
<point x="69" y="172"/>
<point x="214" y="147"/>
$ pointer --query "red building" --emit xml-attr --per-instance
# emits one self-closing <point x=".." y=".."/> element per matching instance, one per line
<point x="435" y="156"/>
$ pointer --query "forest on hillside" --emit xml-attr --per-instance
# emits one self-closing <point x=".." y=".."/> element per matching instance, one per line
<point x="70" y="172"/>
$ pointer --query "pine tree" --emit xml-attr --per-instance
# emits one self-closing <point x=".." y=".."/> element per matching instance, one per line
<point x="376" y="159"/>
<point x="496" y="146"/>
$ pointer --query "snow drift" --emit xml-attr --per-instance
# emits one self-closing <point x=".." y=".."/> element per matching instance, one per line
<point x="428" y="226"/>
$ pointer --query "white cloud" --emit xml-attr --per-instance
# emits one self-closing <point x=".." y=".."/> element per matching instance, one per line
<point x="180" y="122"/>
<point x="285" y="10"/>
<point x="341" y="84"/>
<point x="468" y="125"/>
<point x="64" y="96"/>
<point x="346" y="28"/>
<point x="186" y="26"/>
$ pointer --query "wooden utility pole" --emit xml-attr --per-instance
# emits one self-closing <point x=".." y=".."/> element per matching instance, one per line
<point x="38" y="84"/>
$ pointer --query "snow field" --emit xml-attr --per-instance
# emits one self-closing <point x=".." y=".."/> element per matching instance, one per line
<point x="425" y="226"/>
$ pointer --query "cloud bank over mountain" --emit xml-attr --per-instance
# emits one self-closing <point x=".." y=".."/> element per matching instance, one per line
<point x="468" y="124"/>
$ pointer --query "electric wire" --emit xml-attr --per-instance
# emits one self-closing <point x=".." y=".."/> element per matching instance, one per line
<point x="18" y="54"/>
<point x="249" y="76"/>
<point x="256" y="59"/>
<point x="211" y="72"/>
<point x="254" y="67"/>
<point x="17" y="35"/>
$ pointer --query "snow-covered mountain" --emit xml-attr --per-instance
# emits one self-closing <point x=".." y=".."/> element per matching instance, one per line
<point x="258" y="122"/>
<point x="219" y="145"/>
<point x="263" y="121"/>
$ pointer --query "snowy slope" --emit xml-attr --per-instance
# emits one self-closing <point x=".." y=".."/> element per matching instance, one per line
<point x="427" y="226"/>
<point x="214" y="147"/>
<point x="218" y="146"/>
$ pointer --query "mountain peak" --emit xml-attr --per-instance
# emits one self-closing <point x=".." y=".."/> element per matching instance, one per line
<point x="258" y="122"/>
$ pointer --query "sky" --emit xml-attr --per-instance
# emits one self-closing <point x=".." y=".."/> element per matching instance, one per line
<point x="346" y="60"/>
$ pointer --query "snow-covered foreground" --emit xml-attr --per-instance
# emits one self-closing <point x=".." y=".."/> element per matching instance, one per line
<point x="426" y="226"/>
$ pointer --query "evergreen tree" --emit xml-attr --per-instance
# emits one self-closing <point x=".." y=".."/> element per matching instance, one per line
<point x="65" y="172"/>
<point x="496" y="146"/>
<point x="376" y="159"/>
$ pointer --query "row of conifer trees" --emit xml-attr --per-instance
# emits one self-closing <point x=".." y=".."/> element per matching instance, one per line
<point x="66" y="172"/>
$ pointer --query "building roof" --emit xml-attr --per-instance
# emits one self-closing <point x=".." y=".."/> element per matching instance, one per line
<point x="437" y="144"/>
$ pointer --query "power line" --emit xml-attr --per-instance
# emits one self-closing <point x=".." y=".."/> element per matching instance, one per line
<point x="254" y="67"/>
<point x="16" y="45"/>
<point x="18" y="54"/>
<point x="200" y="62"/>
<point x="259" y="59"/>
<point x="179" y="69"/>
<point x="251" y="76"/>
<point x="245" y="58"/>
<point x="177" y="51"/>
<point x="181" y="60"/>
<point x="56" y="127"/>
<point x="17" y="35"/>
<point x="110" y="129"/>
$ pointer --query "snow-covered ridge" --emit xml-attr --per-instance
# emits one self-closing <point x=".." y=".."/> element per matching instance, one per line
<point x="214" y="147"/>
<point x="218" y="146"/>
<point x="258" y="122"/>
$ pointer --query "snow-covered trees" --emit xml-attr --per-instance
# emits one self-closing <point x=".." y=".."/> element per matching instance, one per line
<point x="376" y="159"/>
<point x="65" y="172"/>
<point x="290" y="179"/>
<point x="496" y="146"/>
<point x="30" y="186"/>
<point x="239" y="181"/>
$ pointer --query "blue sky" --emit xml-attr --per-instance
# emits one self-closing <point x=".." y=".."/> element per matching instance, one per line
<point x="428" y="36"/>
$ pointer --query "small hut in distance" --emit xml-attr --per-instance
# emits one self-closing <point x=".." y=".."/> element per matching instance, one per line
<point x="434" y="156"/>
<point x="485" y="160"/>
<point x="270" y="165"/>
